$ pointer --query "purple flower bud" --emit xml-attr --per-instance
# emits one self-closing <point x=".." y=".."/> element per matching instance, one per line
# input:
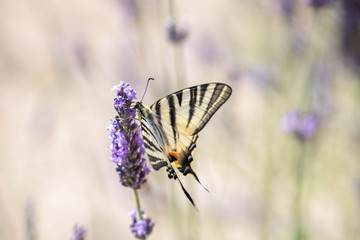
<point x="177" y="34"/>
<point x="79" y="233"/>
<point x="129" y="9"/>
<point x="126" y="147"/>
<point x="290" y="121"/>
<point x="140" y="228"/>
<point x="308" y="126"/>
<point x="301" y="125"/>
<point x="287" y="9"/>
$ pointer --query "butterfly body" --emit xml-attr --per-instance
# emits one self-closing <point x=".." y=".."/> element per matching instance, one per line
<point x="171" y="125"/>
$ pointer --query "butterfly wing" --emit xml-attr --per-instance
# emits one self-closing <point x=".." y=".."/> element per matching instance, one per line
<point x="182" y="115"/>
<point x="190" y="109"/>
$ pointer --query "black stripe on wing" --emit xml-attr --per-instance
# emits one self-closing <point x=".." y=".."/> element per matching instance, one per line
<point x="172" y="113"/>
<point x="192" y="103"/>
<point x="202" y="92"/>
<point x="179" y="97"/>
<point x="150" y="145"/>
<point x="157" y="112"/>
<point x="145" y="128"/>
<point x="153" y="149"/>
<point x="156" y="162"/>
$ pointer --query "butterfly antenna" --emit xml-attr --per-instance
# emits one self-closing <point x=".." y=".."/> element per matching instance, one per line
<point x="146" y="88"/>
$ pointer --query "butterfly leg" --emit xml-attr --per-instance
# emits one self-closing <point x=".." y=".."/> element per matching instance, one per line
<point x="171" y="172"/>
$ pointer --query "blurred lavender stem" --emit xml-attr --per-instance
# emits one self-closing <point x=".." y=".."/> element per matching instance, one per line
<point x="138" y="207"/>
<point x="268" y="174"/>
<point x="300" y="165"/>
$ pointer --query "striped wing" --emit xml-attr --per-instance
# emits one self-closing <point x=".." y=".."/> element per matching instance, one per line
<point x="171" y="125"/>
<point x="190" y="109"/>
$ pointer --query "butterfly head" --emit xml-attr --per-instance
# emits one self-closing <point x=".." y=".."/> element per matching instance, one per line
<point x="137" y="105"/>
<point x="141" y="107"/>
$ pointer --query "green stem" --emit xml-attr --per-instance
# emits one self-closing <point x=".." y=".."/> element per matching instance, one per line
<point x="266" y="199"/>
<point x="269" y="171"/>
<point x="299" y="231"/>
<point x="172" y="9"/>
<point x="138" y="208"/>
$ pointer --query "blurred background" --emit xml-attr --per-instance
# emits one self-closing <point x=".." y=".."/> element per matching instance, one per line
<point x="281" y="157"/>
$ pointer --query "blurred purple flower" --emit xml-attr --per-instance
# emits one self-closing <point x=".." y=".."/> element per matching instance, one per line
<point x="319" y="3"/>
<point x="177" y="34"/>
<point x="127" y="145"/>
<point x="321" y="92"/>
<point x="80" y="52"/>
<point x="302" y="125"/>
<point x="79" y="233"/>
<point x="129" y="8"/>
<point x="351" y="32"/>
<point x="210" y="51"/>
<point x="287" y="8"/>
<point x="140" y="228"/>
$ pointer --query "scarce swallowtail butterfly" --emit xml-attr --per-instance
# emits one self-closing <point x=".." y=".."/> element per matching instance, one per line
<point x="171" y="125"/>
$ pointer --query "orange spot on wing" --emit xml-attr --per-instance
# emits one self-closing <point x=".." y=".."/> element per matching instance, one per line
<point x="174" y="154"/>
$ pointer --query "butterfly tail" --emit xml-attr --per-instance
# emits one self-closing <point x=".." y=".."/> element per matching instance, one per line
<point x="197" y="179"/>
<point x="187" y="194"/>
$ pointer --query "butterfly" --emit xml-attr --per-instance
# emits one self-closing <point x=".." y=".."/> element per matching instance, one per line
<point x="170" y="126"/>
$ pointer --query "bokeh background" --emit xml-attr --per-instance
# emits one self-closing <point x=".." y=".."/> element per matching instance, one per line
<point x="281" y="157"/>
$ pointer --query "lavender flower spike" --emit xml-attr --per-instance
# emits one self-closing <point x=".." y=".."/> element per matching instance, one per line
<point x="128" y="151"/>
<point x="127" y="145"/>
